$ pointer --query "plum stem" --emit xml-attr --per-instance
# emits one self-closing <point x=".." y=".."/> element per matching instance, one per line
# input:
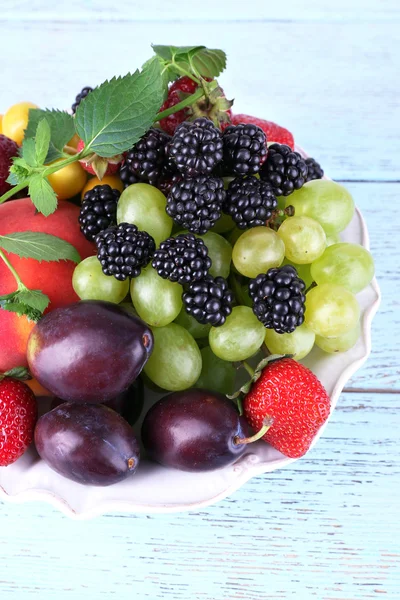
<point x="267" y="422"/>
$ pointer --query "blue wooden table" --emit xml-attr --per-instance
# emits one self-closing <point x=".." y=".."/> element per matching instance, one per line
<point x="327" y="527"/>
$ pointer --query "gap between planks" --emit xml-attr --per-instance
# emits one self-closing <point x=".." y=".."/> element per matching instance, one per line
<point x="356" y="390"/>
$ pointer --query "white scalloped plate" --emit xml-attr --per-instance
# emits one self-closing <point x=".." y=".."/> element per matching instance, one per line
<point x="156" y="489"/>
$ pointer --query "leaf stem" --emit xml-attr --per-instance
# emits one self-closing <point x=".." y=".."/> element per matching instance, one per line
<point x="17" y="278"/>
<point x="186" y="102"/>
<point x="184" y="72"/>
<point x="14" y="190"/>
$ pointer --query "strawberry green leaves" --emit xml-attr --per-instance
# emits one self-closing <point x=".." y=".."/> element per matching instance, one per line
<point x="197" y="61"/>
<point x="115" y="115"/>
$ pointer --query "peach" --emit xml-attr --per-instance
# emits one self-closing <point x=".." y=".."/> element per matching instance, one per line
<point x="52" y="278"/>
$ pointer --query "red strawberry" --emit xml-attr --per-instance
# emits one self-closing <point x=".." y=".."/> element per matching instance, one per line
<point x="274" y="132"/>
<point x="99" y="166"/>
<point x="296" y="402"/>
<point x="18" y="416"/>
<point x="8" y="149"/>
<point x="177" y="92"/>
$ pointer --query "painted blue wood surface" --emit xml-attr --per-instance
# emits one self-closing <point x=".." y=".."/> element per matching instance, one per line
<point x="328" y="526"/>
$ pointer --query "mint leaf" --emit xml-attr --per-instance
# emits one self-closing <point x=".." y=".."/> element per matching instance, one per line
<point x="40" y="246"/>
<point x="28" y="152"/>
<point x="199" y="60"/>
<point x="34" y="299"/>
<point x="61" y="126"/>
<point x="19" y="171"/>
<point x="12" y="303"/>
<point x="13" y="179"/>
<point x="42" y="195"/>
<point x="115" y="115"/>
<point x="42" y="141"/>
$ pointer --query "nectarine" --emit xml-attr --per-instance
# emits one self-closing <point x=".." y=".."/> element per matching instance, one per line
<point x="52" y="278"/>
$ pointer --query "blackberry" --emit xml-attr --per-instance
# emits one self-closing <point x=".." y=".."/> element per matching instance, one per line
<point x="98" y="210"/>
<point x="182" y="259"/>
<point x="126" y="176"/>
<point x="249" y="201"/>
<point x="245" y="149"/>
<point x="196" y="147"/>
<point x="209" y="300"/>
<point x="196" y="203"/>
<point x="314" y="169"/>
<point x="123" y="250"/>
<point x="146" y="160"/>
<point x="278" y="299"/>
<point x="82" y="94"/>
<point x="284" y="169"/>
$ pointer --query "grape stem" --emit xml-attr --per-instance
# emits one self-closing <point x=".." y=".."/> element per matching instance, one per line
<point x="267" y="422"/>
<point x="248" y="368"/>
<point x="311" y="286"/>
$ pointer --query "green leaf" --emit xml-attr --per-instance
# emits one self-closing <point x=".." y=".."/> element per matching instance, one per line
<point x="61" y="126"/>
<point x="13" y="179"/>
<point x="28" y="152"/>
<point x="12" y="303"/>
<point x="21" y="373"/>
<point x="19" y="171"/>
<point x="198" y="60"/>
<point x="40" y="246"/>
<point x="42" y="195"/>
<point x="34" y="299"/>
<point x="115" y="115"/>
<point x="42" y="141"/>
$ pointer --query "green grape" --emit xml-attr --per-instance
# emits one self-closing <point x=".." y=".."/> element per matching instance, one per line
<point x="298" y="343"/>
<point x="349" y="265"/>
<point x="157" y="301"/>
<point x="257" y="250"/>
<point x="175" y="363"/>
<point x="304" y="239"/>
<point x="220" y="252"/>
<point x="327" y="202"/>
<point x="90" y="283"/>
<point x="303" y="271"/>
<point x="216" y="374"/>
<point x="144" y="206"/>
<point x="331" y="310"/>
<point x="239" y="337"/>
<point x="332" y="239"/>
<point x="224" y="224"/>
<point x="234" y="235"/>
<point x="339" y="344"/>
<point x="196" y="329"/>
<point x="227" y="181"/>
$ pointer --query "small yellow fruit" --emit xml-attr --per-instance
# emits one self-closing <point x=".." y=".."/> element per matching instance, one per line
<point x="112" y="180"/>
<point x="74" y="141"/>
<point x="68" y="181"/>
<point x="15" y="121"/>
<point x="1" y="124"/>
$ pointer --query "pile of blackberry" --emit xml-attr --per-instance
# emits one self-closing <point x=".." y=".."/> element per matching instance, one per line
<point x="285" y="170"/>
<point x="146" y="161"/>
<point x="209" y="300"/>
<point x="98" y="210"/>
<point x="250" y="202"/>
<point x="182" y="259"/>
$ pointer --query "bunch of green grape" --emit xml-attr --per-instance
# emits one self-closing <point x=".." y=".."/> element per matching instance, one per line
<point x="187" y="353"/>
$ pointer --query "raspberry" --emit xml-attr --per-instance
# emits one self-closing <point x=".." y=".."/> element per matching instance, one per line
<point x="314" y="169"/>
<point x="209" y="300"/>
<point x="284" y="169"/>
<point x="245" y="149"/>
<point x="182" y="259"/>
<point x="124" y="250"/>
<point x="100" y="166"/>
<point x="82" y="94"/>
<point x="196" y="147"/>
<point x="98" y="210"/>
<point x="8" y="149"/>
<point x="279" y="299"/>
<point x="196" y="203"/>
<point x="249" y="201"/>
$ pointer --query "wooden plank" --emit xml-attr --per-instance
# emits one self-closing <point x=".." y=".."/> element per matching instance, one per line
<point x="157" y="10"/>
<point x="326" y="527"/>
<point x="333" y="84"/>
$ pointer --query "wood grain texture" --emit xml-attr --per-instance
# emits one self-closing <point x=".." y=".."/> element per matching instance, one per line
<point x="325" y="528"/>
<point x="334" y="84"/>
<point x="208" y="10"/>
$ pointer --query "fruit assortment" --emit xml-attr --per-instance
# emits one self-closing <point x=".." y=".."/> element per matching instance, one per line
<point x="204" y="246"/>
